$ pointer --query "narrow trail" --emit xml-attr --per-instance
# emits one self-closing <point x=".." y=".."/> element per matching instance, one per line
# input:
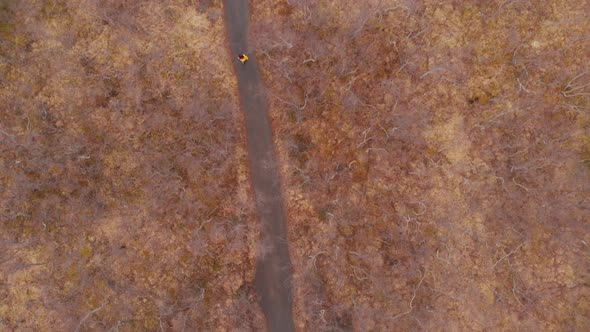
<point x="273" y="269"/>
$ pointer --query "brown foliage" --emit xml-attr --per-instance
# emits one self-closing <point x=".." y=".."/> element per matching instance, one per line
<point x="124" y="203"/>
<point x="435" y="176"/>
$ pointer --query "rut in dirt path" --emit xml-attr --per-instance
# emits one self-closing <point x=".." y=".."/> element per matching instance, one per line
<point x="273" y="269"/>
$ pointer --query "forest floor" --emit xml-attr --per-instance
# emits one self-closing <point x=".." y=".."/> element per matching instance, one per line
<point x="434" y="157"/>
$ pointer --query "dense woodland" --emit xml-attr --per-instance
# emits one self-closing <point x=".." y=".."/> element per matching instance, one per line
<point x="435" y="159"/>
<point x="124" y="198"/>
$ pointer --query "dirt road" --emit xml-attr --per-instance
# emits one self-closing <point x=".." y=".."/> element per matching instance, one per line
<point x="273" y="271"/>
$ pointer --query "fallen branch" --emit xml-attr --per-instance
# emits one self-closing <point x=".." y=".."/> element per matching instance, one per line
<point x="413" y="298"/>
<point x="90" y="313"/>
<point x="508" y="254"/>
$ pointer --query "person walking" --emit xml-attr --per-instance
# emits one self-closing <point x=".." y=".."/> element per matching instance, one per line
<point x="243" y="58"/>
